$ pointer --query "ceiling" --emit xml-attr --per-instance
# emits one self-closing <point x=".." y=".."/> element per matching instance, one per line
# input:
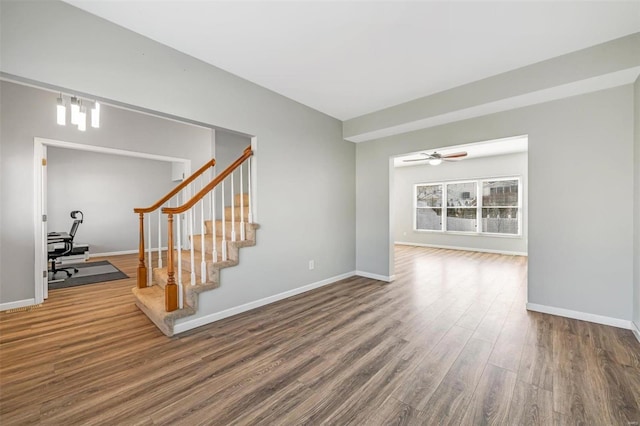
<point x="347" y="59"/>
<point x="473" y="150"/>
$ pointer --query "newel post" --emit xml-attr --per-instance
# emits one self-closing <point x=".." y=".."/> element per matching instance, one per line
<point x="142" y="268"/>
<point x="170" y="289"/>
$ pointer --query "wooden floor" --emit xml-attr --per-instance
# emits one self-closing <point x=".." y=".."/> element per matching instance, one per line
<point x="448" y="342"/>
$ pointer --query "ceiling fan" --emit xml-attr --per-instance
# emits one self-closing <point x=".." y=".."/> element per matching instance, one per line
<point x="436" y="158"/>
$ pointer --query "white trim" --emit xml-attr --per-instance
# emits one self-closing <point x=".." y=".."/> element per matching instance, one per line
<point x="118" y="253"/>
<point x="482" y="250"/>
<point x="254" y="179"/>
<point x="583" y="316"/>
<point x="387" y="278"/>
<point x="636" y="330"/>
<point x="40" y="243"/>
<point x="208" y="319"/>
<point x="114" y="151"/>
<point x="17" y="304"/>
<point x="113" y="253"/>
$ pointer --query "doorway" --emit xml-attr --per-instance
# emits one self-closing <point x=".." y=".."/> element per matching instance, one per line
<point x="41" y="146"/>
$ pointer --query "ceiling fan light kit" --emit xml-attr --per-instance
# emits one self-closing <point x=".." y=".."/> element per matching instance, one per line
<point x="435" y="158"/>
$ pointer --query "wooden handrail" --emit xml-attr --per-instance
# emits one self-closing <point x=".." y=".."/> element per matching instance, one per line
<point x="177" y="189"/>
<point x="142" y="268"/>
<point x="204" y="191"/>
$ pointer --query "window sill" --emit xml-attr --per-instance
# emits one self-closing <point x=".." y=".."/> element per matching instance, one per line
<point x="469" y="234"/>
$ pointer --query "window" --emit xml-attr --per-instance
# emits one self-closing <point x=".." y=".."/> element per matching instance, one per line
<point x="500" y="203"/>
<point x="462" y="206"/>
<point x="496" y="211"/>
<point x="429" y="207"/>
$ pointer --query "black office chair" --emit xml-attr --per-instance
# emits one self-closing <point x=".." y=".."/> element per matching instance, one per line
<point x="65" y="250"/>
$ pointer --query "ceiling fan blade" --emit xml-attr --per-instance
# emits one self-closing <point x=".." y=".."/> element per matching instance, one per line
<point x="414" y="159"/>
<point x="455" y="155"/>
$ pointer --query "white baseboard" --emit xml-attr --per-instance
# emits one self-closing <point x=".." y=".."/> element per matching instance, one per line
<point x="583" y="316"/>
<point x="207" y="319"/>
<point x="387" y="278"/>
<point x="510" y="253"/>
<point x="636" y="330"/>
<point x="112" y="253"/>
<point x="17" y="304"/>
<point x="118" y="253"/>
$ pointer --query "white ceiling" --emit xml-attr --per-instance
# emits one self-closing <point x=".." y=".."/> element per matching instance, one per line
<point x="347" y="59"/>
<point x="473" y="150"/>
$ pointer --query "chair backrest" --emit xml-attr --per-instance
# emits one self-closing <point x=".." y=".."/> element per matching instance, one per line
<point x="74" y="228"/>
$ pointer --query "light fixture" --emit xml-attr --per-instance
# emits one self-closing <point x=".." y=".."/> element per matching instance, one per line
<point x="79" y="112"/>
<point x="435" y="161"/>
<point x="75" y="110"/>
<point x="95" y="115"/>
<point x="61" y="112"/>
<point x="82" y="119"/>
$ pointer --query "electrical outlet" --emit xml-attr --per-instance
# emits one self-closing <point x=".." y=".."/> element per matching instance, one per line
<point x="312" y="265"/>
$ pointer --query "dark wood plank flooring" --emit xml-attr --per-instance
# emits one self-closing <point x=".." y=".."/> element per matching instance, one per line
<point x="448" y="342"/>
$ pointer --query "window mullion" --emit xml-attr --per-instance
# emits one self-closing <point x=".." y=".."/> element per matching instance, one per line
<point x="445" y="208"/>
<point x="479" y="207"/>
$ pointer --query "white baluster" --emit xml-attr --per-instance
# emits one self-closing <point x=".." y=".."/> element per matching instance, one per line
<point x="179" y="228"/>
<point x="179" y="281"/>
<point x="249" y="190"/>
<point x="193" y="269"/>
<point x="233" y="211"/>
<point x="159" y="238"/>
<point x="214" y="255"/>
<point x="203" y="263"/>
<point x="224" y="227"/>
<point x="149" y="253"/>
<point x="242" y="231"/>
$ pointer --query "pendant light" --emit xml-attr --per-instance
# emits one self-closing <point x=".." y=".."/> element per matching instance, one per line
<point x="75" y="110"/>
<point x="95" y="115"/>
<point x="79" y="112"/>
<point x="82" y="119"/>
<point x="61" y="112"/>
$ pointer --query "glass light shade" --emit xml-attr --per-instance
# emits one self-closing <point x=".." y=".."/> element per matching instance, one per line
<point x="75" y="111"/>
<point x="435" y="161"/>
<point x="61" y="112"/>
<point x="82" y="120"/>
<point x="95" y="116"/>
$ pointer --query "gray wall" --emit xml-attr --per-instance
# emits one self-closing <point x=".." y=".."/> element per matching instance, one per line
<point x="636" y="209"/>
<point x="406" y="177"/>
<point x="106" y="188"/>
<point x="29" y="113"/>
<point x="581" y="261"/>
<point x="305" y="169"/>
<point x="229" y="147"/>
<point x="580" y="66"/>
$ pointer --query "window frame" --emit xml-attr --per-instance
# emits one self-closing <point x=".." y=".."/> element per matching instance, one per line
<point x="479" y="207"/>
<point x="443" y="206"/>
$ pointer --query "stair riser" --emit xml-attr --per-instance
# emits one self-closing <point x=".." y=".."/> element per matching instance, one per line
<point x="228" y="226"/>
<point x="236" y="214"/>
<point x="208" y="243"/>
<point x="151" y="300"/>
<point x="237" y="201"/>
<point x="160" y="274"/>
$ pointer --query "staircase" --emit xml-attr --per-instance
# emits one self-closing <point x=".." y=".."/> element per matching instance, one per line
<point x="195" y="263"/>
